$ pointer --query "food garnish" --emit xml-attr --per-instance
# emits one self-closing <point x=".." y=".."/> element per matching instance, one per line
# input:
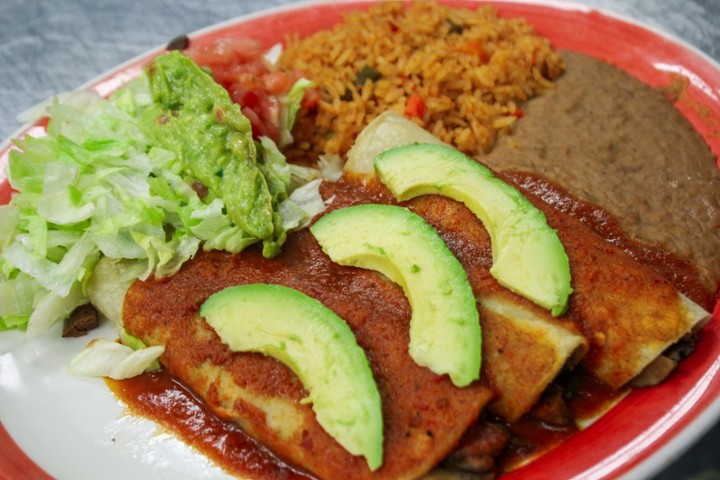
<point x="445" y="331"/>
<point x="317" y="346"/>
<point x="106" y="358"/>
<point x="528" y="257"/>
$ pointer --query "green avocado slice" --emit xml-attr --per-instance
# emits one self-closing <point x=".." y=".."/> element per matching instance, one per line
<point x="528" y="257"/>
<point x="445" y="334"/>
<point x="318" y="346"/>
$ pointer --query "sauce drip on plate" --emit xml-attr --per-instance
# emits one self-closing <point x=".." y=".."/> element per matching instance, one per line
<point x="161" y="398"/>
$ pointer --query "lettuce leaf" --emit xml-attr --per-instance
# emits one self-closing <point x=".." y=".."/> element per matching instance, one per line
<point x="105" y="358"/>
<point x="290" y="105"/>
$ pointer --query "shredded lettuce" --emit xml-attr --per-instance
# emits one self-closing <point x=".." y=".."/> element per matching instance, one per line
<point x="136" y="344"/>
<point x="9" y="219"/>
<point x="18" y="298"/>
<point x="54" y="308"/>
<point x="79" y="99"/>
<point x="290" y="105"/>
<point x="105" y="358"/>
<point x="302" y="205"/>
<point x="331" y="167"/>
<point x="100" y="184"/>
<point x="61" y="181"/>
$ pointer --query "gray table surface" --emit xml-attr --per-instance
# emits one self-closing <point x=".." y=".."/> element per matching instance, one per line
<point x="51" y="46"/>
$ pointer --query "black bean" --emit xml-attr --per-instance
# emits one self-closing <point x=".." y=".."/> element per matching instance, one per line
<point x="181" y="42"/>
<point x="83" y="319"/>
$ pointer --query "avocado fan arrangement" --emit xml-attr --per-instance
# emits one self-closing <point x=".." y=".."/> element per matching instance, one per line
<point x="445" y="333"/>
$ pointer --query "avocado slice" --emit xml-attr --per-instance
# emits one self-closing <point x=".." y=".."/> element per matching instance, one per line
<point x="528" y="257"/>
<point x="445" y="331"/>
<point x="318" y="346"/>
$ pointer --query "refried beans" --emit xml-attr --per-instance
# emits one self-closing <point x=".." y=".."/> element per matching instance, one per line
<point x="615" y="142"/>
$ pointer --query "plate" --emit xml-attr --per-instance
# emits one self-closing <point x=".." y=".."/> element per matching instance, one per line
<point x="41" y="406"/>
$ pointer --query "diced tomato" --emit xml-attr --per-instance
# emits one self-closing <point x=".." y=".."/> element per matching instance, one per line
<point x="249" y="75"/>
<point x="246" y="98"/>
<point x="260" y="127"/>
<point x="226" y="51"/>
<point x="476" y="48"/>
<point x="276" y="83"/>
<point x="311" y="99"/>
<point x="238" y="65"/>
<point x="415" y="106"/>
<point x="261" y="109"/>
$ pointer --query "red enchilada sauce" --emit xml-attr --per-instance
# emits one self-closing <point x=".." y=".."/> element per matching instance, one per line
<point x="159" y="397"/>
<point x="677" y="270"/>
<point x="163" y="399"/>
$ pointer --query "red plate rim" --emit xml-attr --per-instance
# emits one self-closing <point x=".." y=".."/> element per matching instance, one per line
<point x="649" y="427"/>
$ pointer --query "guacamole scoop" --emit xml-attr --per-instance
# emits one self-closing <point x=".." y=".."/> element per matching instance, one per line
<point x="194" y="117"/>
